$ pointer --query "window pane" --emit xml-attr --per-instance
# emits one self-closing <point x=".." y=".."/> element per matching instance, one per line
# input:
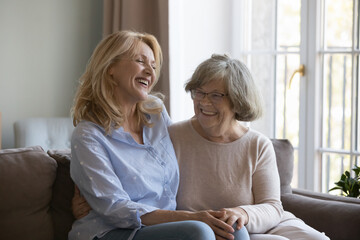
<point x="333" y="167"/>
<point x="287" y="98"/>
<point x="263" y="24"/>
<point x="337" y="101"/>
<point x="262" y="70"/>
<point x="289" y="25"/>
<point x="357" y="108"/>
<point x="338" y="23"/>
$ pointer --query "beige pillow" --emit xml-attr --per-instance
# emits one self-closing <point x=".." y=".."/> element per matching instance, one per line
<point x="26" y="179"/>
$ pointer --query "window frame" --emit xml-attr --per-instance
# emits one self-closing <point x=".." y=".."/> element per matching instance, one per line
<point x="309" y="165"/>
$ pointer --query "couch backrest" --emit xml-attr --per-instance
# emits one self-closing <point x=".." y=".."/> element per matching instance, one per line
<point x="284" y="152"/>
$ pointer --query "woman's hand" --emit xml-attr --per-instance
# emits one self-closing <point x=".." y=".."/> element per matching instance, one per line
<point x="234" y="215"/>
<point x="80" y="207"/>
<point x="220" y="227"/>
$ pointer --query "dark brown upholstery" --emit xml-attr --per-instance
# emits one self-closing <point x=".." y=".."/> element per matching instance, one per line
<point x="63" y="191"/>
<point x="26" y="179"/>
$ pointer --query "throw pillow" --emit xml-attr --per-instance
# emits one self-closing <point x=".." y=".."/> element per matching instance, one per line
<point x="26" y="177"/>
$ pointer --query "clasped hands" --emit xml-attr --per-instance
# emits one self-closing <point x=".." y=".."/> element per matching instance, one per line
<point x="222" y="221"/>
<point x="225" y="221"/>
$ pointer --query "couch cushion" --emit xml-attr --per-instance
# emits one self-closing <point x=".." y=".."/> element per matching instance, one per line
<point x="284" y="152"/>
<point x="63" y="192"/>
<point x="26" y="177"/>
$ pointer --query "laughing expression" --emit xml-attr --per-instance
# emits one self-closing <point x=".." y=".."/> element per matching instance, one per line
<point x="214" y="118"/>
<point x="134" y="77"/>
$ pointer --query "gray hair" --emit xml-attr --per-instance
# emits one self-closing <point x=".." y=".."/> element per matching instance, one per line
<point x="244" y="95"/>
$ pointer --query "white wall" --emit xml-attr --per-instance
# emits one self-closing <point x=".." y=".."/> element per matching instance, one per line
<point x="44" y="48"/>
<point x="197" y="29"/>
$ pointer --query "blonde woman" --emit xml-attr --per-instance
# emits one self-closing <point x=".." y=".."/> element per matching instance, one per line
<point x="123" y="161"/>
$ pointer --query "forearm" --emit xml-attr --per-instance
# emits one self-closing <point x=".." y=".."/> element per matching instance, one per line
<point x="262" y="217"/>
<point x="163" y="216"/>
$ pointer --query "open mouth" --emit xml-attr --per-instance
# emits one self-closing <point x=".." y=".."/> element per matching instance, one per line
<point x="144" y="82"/>
<point x="207" y="113"/>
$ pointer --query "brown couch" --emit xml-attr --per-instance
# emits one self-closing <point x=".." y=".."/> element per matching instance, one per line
<point x="36" y="192"/>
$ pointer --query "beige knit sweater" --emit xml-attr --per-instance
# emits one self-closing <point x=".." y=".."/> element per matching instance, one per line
<point x="217" y="175"/>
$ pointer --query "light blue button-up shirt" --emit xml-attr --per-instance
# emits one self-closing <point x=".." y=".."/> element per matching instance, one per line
<point x="121" y="179"/>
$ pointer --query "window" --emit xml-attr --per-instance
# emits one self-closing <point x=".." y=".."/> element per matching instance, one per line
<point x="317" y="112"/>
<point x="339" y="54"/>
<point x="272" y="51"/>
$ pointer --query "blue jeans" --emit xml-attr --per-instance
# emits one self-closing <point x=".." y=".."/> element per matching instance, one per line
<point x="184" y="230"/>
<point x="241" y="234"/>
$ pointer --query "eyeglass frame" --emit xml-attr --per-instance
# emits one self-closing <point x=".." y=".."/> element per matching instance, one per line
<point x="209" y="94"/>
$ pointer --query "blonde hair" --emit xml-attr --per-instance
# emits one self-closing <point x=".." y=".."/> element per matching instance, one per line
<point x="95" y="99"/>
<point x="243" y="93"/>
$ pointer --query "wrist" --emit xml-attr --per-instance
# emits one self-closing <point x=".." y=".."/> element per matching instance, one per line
<point x="245" y="214"/>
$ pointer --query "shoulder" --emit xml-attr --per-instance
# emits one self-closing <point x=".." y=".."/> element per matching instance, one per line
<point x="178" y="126"/>
<point x="180" y="132"/>
<point x="182" y="128"/>
<point x="88" y="142"/>
<point x="87" y="130"/>
<point x="258" y="139"/>
<point x="165" y="116"/>
<point x="160" y="113"/>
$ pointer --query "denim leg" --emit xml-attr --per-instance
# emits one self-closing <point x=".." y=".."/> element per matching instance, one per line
<point x="241" y="234"/>
<point x="184" y="230"/>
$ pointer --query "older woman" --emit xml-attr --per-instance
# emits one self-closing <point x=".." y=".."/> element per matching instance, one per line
<point x="225" y="165"/>
<point x="123" y="161"/>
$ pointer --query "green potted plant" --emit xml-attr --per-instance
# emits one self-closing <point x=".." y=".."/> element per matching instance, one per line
<point x="350" y="186"/>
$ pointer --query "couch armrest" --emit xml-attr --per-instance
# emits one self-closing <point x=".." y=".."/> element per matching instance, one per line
<point x="325" y="196"/>
<point x="337" y="216"/>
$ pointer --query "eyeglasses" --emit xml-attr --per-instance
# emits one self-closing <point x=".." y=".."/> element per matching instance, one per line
<point x="214" y="97"/>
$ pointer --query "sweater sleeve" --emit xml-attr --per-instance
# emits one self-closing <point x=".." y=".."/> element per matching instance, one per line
<point x="267" y="210"/>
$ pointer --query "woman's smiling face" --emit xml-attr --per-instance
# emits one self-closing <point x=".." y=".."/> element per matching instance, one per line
<point x="214" y="117"/>
<point x="134" y="77"/>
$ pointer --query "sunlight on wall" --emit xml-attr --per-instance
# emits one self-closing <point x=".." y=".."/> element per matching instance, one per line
<point x="197" y="30"/>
